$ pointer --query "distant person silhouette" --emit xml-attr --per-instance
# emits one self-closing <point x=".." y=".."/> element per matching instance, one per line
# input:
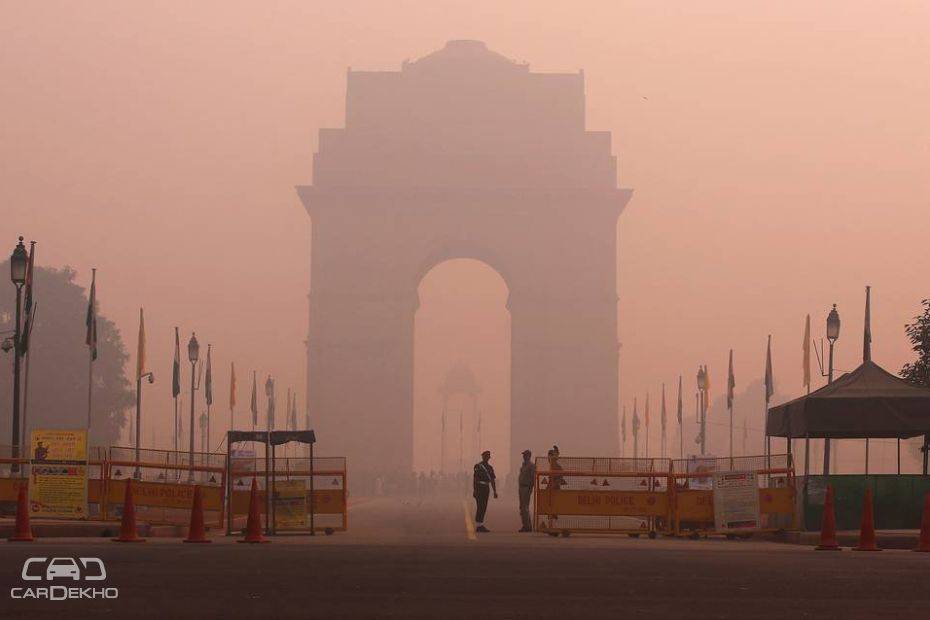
<point x="484" y="482"/>
<point x="525" y="481"/>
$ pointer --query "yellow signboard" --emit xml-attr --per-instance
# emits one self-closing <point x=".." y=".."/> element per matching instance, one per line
<point x="58" y="476"/>
<point x="290" y="504"/>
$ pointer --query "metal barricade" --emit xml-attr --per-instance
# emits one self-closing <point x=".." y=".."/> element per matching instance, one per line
<point x="603" y="495"/>
<point x="163" y="484"/>
<point x="694" y="492"/>
<point x="305" y="494"/>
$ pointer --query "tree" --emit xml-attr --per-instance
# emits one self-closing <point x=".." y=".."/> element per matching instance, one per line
<point x="57" y="396"/>
<point x="918" y="332"/>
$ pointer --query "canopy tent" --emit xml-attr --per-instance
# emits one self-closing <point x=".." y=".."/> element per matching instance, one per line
<point x="868" y="402"/>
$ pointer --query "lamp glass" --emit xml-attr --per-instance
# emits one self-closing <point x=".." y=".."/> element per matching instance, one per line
<point x="833" y="325"/>
<point x="193" y="349"/>
<point x="18" y="262"/>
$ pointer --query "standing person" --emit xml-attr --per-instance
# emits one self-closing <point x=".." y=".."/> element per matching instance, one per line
<point x="484" y="482"/>
<point x="526" y="480"/>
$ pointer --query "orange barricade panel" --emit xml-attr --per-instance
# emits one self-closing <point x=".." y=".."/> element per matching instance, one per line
<point x="165" y="495"/>
<point x="9" y="488"/>
<point x="328" y="502"/>
<point x="776" y="501"/>
<point x="94" y="491"/>
<point x="695" y="505"/>
<point x="603" y="503"/>
<point x="325" y="502"/>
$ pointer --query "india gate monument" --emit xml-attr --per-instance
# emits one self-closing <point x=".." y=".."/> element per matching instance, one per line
<point x="463" y="154"/>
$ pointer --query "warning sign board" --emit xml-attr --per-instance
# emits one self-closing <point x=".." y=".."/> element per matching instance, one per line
<point x="736" y="501"/>
<point x="58" y="477"/>
<point x="701" y="465"/>
<point x="290" y="504"/>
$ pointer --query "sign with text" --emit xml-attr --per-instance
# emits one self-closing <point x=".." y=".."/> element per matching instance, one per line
<point x="290" y="504"/>
<point x="58" y="476"/>
<point x="701" y="465"/>
<point x="736" y="501"/>
<point x="625" y="503"/>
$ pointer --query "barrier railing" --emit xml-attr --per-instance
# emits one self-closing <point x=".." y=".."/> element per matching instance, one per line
<point x="304" y="496"/>
<point x="694" y="496"/>
<point x="653" y="496"/>
<point x="163" y="484"/>
<point x="602" y="495"/>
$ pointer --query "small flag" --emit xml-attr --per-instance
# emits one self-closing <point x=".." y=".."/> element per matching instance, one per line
<point x="232" y="385"/>
<point x="769" y="379"/>
<point x="679" y="400"/>
<point x="91" y="321"/>
<point x="291" y="412"/>
<point x="706" y="388"/>
<point x="806" y="349"/>
<point x="731" y="383"/>
<point x="635" y="424"/>
<point x="208" y="384"/>
<point x="664" y="421"/>
<point x="287" y="410"/>
<point x="269" y="391"/>
<point x="867" y="332"/>
<point x="623" y="425"/>
<point x="140" y="353"/>
<point x="176" y="370"/>
<point x="254" y="404"/>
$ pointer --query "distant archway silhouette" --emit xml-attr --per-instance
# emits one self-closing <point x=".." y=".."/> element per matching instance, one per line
<point x="463" y="154"/>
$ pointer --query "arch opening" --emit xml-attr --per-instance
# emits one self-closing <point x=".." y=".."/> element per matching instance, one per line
<point x="461" y="375"/>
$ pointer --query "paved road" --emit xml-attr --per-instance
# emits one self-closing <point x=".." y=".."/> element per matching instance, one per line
<point x="416" y="559"/>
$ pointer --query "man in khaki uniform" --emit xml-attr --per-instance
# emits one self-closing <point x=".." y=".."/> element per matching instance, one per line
<point x="525" y="482"/>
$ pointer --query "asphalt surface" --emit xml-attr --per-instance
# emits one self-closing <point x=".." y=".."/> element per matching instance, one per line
<point x="419" y="559"/>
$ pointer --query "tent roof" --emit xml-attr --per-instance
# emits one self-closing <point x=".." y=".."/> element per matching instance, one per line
<point x="867" y="402"/>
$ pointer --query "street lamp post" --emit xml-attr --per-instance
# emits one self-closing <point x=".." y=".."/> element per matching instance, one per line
<point x="193" y="353"/>
<point x="833" y="334"/>
<point x="151" y="377"/>
<point x="18" y="263"/>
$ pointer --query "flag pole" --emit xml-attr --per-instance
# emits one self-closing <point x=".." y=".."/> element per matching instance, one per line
<point x="23" y="431"/>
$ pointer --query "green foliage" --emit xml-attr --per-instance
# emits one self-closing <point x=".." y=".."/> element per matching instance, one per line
<point x="918" y="333"/>
<point x="59" y="361"/>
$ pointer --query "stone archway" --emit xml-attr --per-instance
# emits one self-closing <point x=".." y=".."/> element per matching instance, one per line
<point x="463" y="153"/>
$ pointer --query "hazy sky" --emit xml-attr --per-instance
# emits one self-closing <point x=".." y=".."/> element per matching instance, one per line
<point x="779" y="154"/>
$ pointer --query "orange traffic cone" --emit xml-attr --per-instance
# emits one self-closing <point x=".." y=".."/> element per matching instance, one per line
<point x="828" y="528"/>
<point x="867" y="528"/>
<point x="253" y="527"/>
<point x="127" y="528"/>
<point x="924" y="542"/>
<point x="23" y="532"/>
<point x="196" y="532"/>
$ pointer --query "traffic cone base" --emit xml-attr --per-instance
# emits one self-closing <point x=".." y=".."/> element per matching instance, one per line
<point x="196" y="533"/>
<point x="127" y="528"/>
<point x="923" y="543"/>
<point x="253" y="527"/>
<point x="23" y="531"/>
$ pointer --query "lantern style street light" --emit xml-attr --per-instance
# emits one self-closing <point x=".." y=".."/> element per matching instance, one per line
<point x="19" y="261"/>
<point x="193" y="354"/>
<point x="833" y="334"/>
<point x="269" y="393"/>
<point x="702" y="406"/>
